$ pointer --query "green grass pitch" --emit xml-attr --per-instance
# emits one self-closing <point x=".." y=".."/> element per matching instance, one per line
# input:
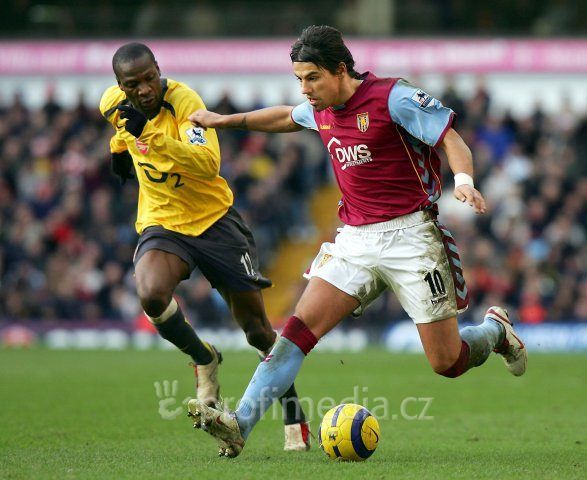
<point x="73" y="414"/>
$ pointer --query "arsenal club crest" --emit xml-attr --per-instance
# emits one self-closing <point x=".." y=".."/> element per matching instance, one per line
<point x="363" y="121"/>
<point x="142" y="146"/>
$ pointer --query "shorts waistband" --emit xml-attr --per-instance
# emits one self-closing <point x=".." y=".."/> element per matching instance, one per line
<point x="405" y="221"/>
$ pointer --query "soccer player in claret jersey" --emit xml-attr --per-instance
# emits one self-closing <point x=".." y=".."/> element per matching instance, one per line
<point x="382" y="135"/>
<point x="185" y="219"/>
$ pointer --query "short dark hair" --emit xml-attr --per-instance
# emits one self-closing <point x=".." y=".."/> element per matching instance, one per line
<point x="129" y="52"/>
<point x="323" y="46"/>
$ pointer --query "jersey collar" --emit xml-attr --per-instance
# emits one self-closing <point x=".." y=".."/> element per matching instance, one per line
<point x="366" y="78"/>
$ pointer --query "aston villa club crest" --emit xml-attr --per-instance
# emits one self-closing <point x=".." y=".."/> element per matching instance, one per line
<point x="363" y="121"/>
<point x="324" y="260"/>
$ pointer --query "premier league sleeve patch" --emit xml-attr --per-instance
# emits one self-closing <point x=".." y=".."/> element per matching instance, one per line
<point x="422" y="99"/>
<point x="196" y="136"/>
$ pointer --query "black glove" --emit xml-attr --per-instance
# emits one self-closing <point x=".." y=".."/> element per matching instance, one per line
<point x="135" y="120"/>
<point x="121" y="165"/>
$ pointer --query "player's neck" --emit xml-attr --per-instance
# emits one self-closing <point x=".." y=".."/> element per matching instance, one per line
<point x="152" y="113"/>
<point x="348" y="88"/>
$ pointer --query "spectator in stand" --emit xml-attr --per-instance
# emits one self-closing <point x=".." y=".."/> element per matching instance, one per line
<point x="56" y="207"/>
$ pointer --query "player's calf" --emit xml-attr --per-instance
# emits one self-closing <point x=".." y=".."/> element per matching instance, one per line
<point x="297" y="437"/>
<point x="260" y="338"/>
<point x="458" y="367"/>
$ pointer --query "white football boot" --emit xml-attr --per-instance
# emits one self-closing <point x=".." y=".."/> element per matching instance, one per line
<point x="512" y="350"/>
<point x="297" y="437"/>
<point x="207" y="386"/>
<point x="221" y="425"/>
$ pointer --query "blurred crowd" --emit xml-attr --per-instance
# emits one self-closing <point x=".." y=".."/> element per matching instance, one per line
<point x="67" y="225"/>
<point x="245" y="18"/>
<point x="529" y="252"/>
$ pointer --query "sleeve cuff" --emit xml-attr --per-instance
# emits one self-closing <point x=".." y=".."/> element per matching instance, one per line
<point x="293" y="119"/>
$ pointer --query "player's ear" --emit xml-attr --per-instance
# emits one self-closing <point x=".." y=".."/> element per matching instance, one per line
<point x="157" y="67"/>
<point x="341" y="70"/>
<point x="115" y="68"/>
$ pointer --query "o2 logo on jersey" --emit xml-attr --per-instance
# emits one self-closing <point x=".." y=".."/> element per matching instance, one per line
<point x="348" y="156"/>
<point x="151" y="173"/>
<point x="196" y="136"/>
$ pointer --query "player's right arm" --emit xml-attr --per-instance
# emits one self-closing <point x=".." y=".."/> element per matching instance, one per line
<point x="121" y="162"/>
<point x="110" y="98"/>
<point x="272" y="119"/>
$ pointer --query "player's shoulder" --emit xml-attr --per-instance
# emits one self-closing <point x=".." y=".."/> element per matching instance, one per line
<point x="404" y="88"/>
<point x="410" y="96"/>
<point x="111" y="98"/>
<point x="374" y="81"/>
<point x="385" y="85"/>
<point x="378" y="88"/>
<point x="179" y="94"/>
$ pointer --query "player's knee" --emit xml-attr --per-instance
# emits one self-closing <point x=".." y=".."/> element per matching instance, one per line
<point x="154" y="306"/>
<point x="448" y="373"/>
<point x="444" y="366"/>
<point x="154" y="300"/>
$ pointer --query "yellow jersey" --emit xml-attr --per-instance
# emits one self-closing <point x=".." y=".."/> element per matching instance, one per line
<point x="177" y="164"/>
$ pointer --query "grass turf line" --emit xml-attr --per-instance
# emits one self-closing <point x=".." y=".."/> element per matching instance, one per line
<point x="75" y="414"/>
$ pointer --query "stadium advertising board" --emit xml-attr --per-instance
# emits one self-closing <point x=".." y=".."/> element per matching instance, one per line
<point x="262" y="56"/>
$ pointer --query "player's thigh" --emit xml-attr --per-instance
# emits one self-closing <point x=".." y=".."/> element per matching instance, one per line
<point x="441" y="341"/>
<point x="322" y="306"/>
<point x="227" y="256"/>
<point x="346" y="266"/>
<point x="158" y="272"/>
<point x="422" y="271"/>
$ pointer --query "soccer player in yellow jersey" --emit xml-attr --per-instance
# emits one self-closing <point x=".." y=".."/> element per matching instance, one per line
<point x="185" y="218"/>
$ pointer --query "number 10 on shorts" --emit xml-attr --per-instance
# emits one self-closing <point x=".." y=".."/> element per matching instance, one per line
<point x="436" y="284"/>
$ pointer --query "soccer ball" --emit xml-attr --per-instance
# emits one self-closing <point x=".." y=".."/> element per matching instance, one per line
<point x="349" y="432"/>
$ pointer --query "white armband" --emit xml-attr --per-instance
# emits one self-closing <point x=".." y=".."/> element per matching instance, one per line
<point x="463" y="179"/>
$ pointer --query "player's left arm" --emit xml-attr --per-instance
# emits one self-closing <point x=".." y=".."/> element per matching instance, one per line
<point x="460" y="161"/>
<point x="197" y="149"/>
<point x="426" y="119"/>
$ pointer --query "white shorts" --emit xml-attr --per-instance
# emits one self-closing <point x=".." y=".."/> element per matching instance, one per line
<point x="413" y="255"/>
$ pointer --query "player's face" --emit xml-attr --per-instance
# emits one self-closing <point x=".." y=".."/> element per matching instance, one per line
<point x="140" y="79"/>
<point x="321" y="88"/>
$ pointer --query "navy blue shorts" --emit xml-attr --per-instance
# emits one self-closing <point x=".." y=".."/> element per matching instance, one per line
<point x="226" y="253"/>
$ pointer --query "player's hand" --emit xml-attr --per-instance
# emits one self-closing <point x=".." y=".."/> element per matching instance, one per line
<point x="121" y="165"/>
<point x="206" y="119"/>
<point x="135" y="120"/>
<point x="466" y="193"/>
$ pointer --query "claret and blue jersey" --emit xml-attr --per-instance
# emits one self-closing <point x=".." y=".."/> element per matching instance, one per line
<point x="382" y="147"/>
